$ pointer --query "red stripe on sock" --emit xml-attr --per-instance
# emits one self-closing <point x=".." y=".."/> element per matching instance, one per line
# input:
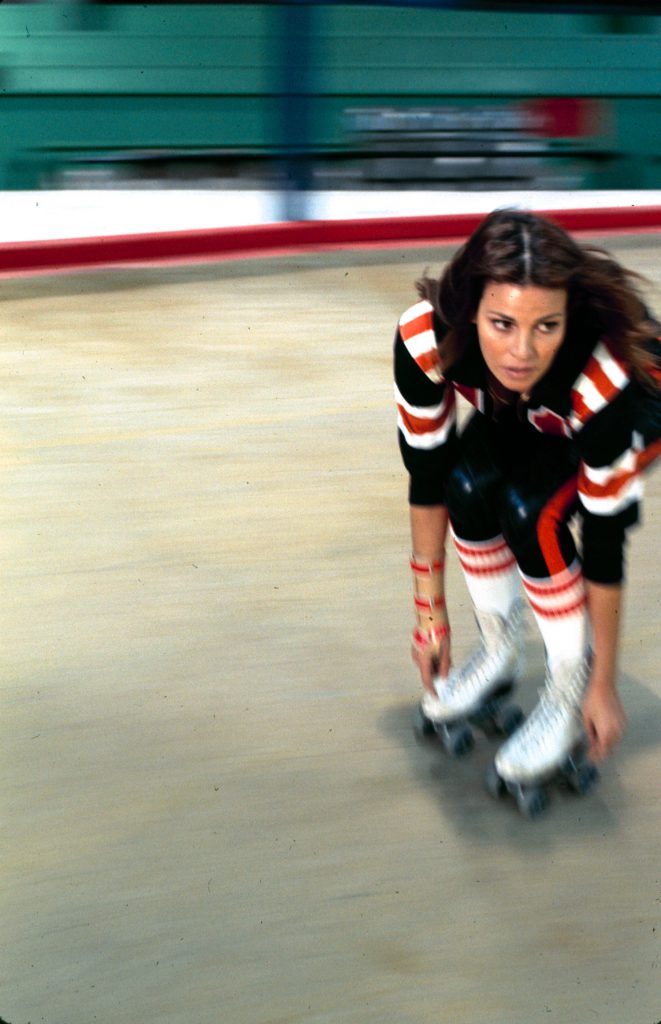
<point x="550" y="589"/>
<point x="487" y="570"/>
<point x="557" y="613"/>
<point x="478" y="552"/>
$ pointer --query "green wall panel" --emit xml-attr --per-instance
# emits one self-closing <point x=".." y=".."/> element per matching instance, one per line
<point x="84" y="77"/>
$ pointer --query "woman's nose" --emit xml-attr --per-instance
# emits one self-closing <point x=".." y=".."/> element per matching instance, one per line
<point x="523" y="344"/>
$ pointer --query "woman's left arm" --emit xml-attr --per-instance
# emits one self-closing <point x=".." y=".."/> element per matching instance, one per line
<point x="603" y="714"/>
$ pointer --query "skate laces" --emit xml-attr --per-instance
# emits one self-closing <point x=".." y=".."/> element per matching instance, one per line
<point x="567" y="684"/>
<point x="539" y="728"/>
<point x="483" y="661"/>
<point x="558" y="708"/>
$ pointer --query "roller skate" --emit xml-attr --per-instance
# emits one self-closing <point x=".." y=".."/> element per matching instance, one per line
<point x="477" y="695"/>
<point x="550" y="747"/>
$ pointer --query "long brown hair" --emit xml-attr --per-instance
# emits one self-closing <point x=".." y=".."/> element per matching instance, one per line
<point x="519" y="247"/>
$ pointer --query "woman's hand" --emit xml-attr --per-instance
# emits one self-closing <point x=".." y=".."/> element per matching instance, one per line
<point x="603" y="715"/>
<point x="431" y="638"/>
<point x="604" y="721"/>
<point x="430" y="651"/>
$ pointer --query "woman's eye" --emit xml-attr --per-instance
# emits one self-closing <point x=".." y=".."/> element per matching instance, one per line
<point x="548" y="327"/>
<point x="501" y="325"/>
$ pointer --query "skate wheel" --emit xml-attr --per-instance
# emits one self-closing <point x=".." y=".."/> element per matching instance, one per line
<point x="485" y="718"/>
<point x="583" y="779"/>
<point x="490" y="726"/>
<point x="511" y="718"/>
<point x="458" y="740"/>
<point x="495" y="785"/>
<point x="423" y="727"/>
<point x="532" y="801"/>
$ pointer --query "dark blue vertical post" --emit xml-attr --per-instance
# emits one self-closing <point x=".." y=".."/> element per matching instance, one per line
<point x="295" y="91"/>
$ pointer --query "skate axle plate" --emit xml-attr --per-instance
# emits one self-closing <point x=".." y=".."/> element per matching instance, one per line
<point x="577" y="774"/>
<point x="496" y="717"/>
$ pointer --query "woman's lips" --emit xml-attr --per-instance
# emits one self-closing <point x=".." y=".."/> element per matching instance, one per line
<point x="519" y="371"/>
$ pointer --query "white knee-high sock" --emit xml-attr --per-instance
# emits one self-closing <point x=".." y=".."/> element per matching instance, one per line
<point x="491" y="573"/>
<point x="559" y="606"/>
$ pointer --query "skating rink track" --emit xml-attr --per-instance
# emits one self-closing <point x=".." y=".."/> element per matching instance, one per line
<point x="214" y="807"/>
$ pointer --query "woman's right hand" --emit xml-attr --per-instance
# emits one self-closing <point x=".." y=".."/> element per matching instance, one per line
<point x="430" y="651"/>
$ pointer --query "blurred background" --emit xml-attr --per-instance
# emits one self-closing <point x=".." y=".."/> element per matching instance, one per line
<point x="309" y="96"/>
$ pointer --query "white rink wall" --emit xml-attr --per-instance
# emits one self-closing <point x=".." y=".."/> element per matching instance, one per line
<point x="32" y="216"/>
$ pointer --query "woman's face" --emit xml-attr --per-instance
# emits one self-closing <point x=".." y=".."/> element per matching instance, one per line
<point x="520" y="328"/>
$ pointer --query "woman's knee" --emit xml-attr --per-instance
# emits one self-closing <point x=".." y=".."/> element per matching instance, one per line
<point x="528" y="521"/>
<point x="519" y="515"/>
<point x="471" y="497"/>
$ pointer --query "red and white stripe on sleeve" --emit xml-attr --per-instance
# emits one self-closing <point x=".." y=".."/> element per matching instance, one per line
<point x="416" y="327"/>
<point x="427" y="426"/>
<point x="607" y="484"/>
<point x="609" y="490"/>
<point x="603" y="378"/>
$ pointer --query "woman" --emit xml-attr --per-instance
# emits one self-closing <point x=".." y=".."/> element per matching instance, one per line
<point x="553" y="347"/>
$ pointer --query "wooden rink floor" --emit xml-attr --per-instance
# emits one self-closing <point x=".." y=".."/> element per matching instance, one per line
<point x="214" y="807"/>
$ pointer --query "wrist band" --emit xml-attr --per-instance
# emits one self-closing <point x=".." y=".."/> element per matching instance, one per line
<point x="425" y="568"/>
<point x="431" y="603"/>
<point x="422" y="638"/>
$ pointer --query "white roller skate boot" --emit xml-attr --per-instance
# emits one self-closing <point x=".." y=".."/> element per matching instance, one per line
<point x="550" y="743"/>
<point x="494" y="666"/>
<point x="477" y="693"/>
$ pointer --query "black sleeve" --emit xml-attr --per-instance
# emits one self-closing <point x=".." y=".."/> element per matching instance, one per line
<point x="426" y="427"/>
<point x="609" y="487"/>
